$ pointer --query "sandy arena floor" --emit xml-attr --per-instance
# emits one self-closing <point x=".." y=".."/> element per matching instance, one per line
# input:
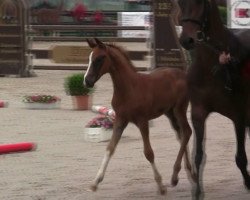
<point x="63" y="165"/>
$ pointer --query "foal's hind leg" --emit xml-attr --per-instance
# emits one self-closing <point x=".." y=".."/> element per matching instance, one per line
<point x="176" y="127"/>
<point x="149" y="154"/>
<point x="175" y="124"/>
<point x="185" y="134"/>
<point x="119" y="126"/>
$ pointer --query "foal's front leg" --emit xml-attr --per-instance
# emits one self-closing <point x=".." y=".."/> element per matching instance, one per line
<point x="119" y="126"/>
<point x="149" y="154"/>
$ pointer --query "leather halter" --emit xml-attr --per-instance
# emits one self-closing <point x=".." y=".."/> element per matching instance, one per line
<point x="203" y="22"/>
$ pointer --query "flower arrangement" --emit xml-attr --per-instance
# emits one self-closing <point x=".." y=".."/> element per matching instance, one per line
<point x="100" y="121"/>
<point x="46" y="99"/>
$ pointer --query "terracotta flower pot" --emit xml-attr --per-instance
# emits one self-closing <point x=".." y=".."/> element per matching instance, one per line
<point x="83" y="102"/>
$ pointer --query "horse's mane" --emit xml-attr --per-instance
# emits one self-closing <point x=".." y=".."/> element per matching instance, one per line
<point x="123" y="52"/>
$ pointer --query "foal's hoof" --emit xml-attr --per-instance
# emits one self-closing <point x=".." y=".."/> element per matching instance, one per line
<point x="174" y="181"/>
<point x="93" y="188"/>
<point x="163" y="190"/>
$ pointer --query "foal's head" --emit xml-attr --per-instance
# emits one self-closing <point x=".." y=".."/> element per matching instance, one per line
<point x="194" y="21"/>
<point x="99" y="62"/>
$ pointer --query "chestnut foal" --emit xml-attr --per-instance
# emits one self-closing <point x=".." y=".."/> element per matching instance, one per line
<point x="138" y="98"/>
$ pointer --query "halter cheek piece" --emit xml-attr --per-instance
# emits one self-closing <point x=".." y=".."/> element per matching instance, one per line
<point x="203" y="23"/>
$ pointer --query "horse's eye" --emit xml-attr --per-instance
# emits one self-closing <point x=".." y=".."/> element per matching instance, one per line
<point x="98" y="62"/>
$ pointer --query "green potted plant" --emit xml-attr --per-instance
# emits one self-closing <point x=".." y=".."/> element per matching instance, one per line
<point x="81" y="95"/>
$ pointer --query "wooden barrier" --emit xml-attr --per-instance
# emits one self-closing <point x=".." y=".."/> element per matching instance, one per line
<point x="45" y="54"/>
<point x="35" y="35"/>
<point x="63" y="33"/>
<point x="80" y="39"/>
<point x="57" y="30"/>
<point x="85" y="27"/>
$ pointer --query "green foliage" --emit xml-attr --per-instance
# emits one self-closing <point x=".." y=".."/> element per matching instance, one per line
<point x="223" y="14"/>
<point x="73" y="85"/>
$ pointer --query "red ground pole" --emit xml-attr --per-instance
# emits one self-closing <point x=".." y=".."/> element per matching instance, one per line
<point x="16" y="147"/>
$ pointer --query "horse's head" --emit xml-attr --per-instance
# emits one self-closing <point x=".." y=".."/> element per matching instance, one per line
<point x="99" y="62"/>
<point x="194" y="21"/>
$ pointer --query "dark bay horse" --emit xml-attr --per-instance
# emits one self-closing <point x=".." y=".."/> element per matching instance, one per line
<point x="205" y="36"/>
<point x="138" y="98"/>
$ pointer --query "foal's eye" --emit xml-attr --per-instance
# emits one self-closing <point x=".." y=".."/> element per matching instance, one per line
<point x="98" y="61"/>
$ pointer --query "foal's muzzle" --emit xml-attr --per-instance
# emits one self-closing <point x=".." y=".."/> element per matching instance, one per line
<point x="88" y="82"/>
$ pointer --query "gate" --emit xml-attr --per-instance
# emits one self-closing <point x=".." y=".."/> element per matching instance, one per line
<point x="13" y="38"/>
<point x="167" y="50"/>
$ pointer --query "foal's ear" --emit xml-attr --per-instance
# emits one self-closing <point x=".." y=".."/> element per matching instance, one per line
<point x="100" y="44"/>
<point x="91" y="43"/>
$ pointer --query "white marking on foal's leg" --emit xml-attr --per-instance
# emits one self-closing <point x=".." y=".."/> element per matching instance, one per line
<point x="101" y="171"/>
<point x="158" y="179"/>
<point x="90" y="62"/>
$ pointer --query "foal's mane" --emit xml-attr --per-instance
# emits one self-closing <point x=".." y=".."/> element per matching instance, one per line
<point x="123" y="52"/>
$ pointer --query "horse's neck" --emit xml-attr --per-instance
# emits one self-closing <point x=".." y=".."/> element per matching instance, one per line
<point x="222" y="39"/>
<point x="200" y="55"/>
<point x="122" y="72"/>
<point x="217" y="31"/>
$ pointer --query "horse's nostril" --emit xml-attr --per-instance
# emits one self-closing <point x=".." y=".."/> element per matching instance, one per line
<point x="86" y="82"/>
<point x="190" y="41"/>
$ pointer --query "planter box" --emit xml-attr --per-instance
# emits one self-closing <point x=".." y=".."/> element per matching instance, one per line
<point x="97" y="134"/>
<point x="41" y="106"/>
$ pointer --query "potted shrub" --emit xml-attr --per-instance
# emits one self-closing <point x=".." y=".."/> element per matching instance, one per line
<point x="81" y="95"/>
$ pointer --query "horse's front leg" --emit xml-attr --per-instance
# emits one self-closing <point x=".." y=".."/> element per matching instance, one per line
<point x="149" y="154"/>
<point x="199" y="115"/>
<point x="119" y="126"/>
<point x="241" y="157"/>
